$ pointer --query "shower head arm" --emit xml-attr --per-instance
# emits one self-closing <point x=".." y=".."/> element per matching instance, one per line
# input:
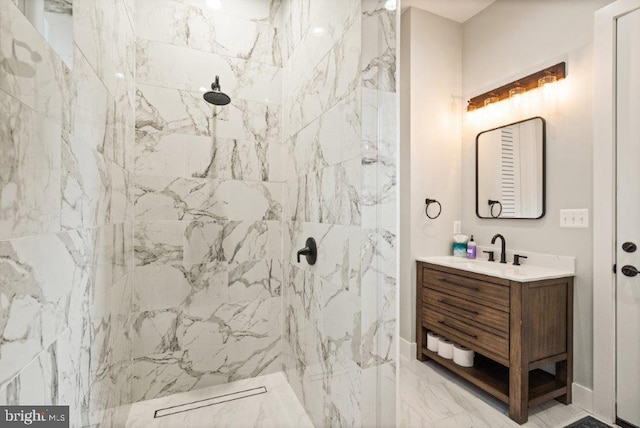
<point x="216" y="84"/>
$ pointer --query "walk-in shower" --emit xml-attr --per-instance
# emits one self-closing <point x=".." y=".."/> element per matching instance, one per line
<point x="149" y="259"/>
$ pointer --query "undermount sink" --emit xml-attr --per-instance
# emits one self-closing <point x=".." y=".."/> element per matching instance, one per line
<point x="522" y="273"/>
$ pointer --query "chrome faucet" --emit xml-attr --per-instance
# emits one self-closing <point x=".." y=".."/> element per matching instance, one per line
<point x="503" y="253"/>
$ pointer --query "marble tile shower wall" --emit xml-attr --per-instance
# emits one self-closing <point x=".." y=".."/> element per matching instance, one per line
<point x="66" y="214"/>
<point x="339" y="133"/>
<point x="208" y="196"/>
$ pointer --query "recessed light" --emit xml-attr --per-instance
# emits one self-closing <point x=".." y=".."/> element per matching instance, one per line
<point x="214" y="4"/>
<point x="119" y="75"/>
<point x="390" y="5"/>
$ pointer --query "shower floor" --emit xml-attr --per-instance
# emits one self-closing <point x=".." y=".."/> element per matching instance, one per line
<point x="265" y="401"/>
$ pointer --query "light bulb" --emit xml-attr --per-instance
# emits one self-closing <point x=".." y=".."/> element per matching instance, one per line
<point x="546" y="87"/>
<point x="515" y="95"/>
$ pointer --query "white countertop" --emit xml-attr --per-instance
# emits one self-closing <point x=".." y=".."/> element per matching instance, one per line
<point x="522" y="273"/>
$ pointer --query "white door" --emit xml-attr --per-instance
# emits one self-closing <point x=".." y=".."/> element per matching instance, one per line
<point x="628" y="218"/>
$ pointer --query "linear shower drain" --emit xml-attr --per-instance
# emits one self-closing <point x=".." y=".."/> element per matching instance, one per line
<point x="218" y="399"/>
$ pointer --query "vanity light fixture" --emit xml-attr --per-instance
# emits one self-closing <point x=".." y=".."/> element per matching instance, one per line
<point x="513" y="90"/>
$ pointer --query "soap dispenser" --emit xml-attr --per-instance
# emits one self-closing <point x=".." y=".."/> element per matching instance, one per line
<point x="471" y="248"/>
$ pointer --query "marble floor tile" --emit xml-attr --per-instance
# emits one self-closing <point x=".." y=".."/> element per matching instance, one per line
<point x="278" y="407"/>
<point x="431" y="396"/>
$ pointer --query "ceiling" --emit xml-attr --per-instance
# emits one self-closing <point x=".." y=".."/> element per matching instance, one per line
<point x="456" y="10"/>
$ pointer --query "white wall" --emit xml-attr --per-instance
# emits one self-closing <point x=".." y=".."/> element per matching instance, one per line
<point x="431" y="65"/>
<point x="508" y="40"/>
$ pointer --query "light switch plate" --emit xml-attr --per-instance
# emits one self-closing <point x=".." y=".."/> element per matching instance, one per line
<point x="574" y="219"/>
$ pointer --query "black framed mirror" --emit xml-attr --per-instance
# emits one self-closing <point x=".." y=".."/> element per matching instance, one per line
<point x="511" y="170"/>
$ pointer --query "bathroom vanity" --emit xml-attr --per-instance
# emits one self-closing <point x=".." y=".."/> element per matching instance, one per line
<point x="517" y="319"/>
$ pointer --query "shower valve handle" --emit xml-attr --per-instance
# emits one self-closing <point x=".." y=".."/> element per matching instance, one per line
<point x="310" y="251"/>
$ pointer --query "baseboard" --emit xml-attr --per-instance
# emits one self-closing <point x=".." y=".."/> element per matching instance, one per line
<point x="582" y="397"/>
<point x="408" y="349"/>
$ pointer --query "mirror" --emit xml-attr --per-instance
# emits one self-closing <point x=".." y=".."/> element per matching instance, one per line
<point x="54" y="20"/>
<point x="510" y="171"/>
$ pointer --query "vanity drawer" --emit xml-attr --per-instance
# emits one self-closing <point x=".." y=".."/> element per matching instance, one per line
<point x="468" y="288"/>
<point x="468" y="335"/>
<point x="448" y="304"/>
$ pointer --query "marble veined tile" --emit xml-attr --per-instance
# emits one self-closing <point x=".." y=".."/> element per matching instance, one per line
<point x="340" y="193"/>
<point x="328" y="25"/>
<point x="161" y="112"/>
<point x="30" y="171"/>
<point x="180" y="285"/>
<point x="86" y="187"/>
<point x="198" y="27"/>
<point x="257" y="279"/>
<point x="379" y="123"/>
<point x="431" y="395"/>
<point x="161" y="154"/>
<point x="255" y="334"/>
<point x="332" y="138"/>
<point x="250" y="200"/>
<point x="174" y="372"/>
<point x="176" y="329"/>
<point x="331" y="80"/>
<point x="343" y="380"/>
<point x="278" y="407"/>
<point x="329" y="195"/>
<point x="253" y="121"/>
<point x="338" y="252"/>
<point x="177" y="67"/>
<point x="165" y="199"/>
<point x="295" y="199"/>
<point x="379" y="398"/>
<point x="226" y="157"/>
<point x="46" y="281"/>
<point x="379" y="187"/>
<point x="252" y="240"/>
<point x="203" y="241"/>
<point x="179" y="135"/>
<point x="378" y="46"/>
<point x="121" y="209"/>
<point x="93" y="119"/>
<point x="379" y="297"/>
<point x="33" y="383"/>
<point x="104" y="34"/>
<point x="261" y="11"/>
<point x="159" y="242"/>
<point x="340" y="321"/>
<point x="293" y="22"/>
<point x="31" y="71"/>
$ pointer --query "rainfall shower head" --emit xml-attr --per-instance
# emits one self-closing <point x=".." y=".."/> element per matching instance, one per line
<point x="216" y="97"/>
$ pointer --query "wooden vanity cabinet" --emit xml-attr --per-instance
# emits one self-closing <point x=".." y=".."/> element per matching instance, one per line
<point x="515" y="329"/>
